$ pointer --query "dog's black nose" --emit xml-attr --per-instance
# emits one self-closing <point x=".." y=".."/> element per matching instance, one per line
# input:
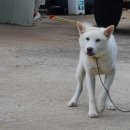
<point x="89" y="49"/>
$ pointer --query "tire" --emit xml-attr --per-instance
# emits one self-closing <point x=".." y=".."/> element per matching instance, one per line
<point x="107" y="12"/>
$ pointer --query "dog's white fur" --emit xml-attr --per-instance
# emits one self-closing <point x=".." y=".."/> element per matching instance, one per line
<point x="103" y="46"/>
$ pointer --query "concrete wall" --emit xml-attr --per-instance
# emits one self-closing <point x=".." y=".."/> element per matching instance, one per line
<point x="17" y="11"/>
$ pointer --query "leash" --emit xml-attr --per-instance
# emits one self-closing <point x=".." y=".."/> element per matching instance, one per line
<point x="117" y="108"/>
<point x="61" y="19"/>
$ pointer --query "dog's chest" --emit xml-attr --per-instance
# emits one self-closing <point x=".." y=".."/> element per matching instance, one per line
<point x="103" y="66"/>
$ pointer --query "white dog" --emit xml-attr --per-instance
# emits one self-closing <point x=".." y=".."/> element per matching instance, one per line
<point x="95" y="43"/>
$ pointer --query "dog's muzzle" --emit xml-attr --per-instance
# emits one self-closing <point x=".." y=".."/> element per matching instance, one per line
<point x="90" y="51"/>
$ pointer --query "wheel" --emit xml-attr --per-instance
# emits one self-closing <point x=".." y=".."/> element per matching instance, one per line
<point x="107" y="12"/>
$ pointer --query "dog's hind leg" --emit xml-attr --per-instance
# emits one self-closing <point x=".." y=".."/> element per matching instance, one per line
<point x="80" y="74"/>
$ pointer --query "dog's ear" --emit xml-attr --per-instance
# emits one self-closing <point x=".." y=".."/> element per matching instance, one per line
<point x="109" y="30"/>
<point x="80" y="27"/>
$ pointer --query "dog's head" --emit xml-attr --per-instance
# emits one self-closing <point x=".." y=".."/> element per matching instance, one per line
<point x="93" y="41"/>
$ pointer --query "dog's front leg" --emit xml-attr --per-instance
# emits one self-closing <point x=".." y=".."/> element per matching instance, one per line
<point x="91" y="93"/>
<point x="109" y="104"/>
<point x="103" y="96"/>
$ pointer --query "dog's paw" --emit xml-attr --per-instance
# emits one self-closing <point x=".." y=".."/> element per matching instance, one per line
<point x="110" y="107"/>
<point x="92" y="114"/>
<point x="72" y="104"/>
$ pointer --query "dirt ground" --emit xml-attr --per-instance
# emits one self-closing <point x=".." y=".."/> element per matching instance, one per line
<point x="37" y="78"/>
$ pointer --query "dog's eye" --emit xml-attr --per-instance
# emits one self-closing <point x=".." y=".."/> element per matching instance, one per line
<point x="87" y="39"/>
<point x="98" y="40"/>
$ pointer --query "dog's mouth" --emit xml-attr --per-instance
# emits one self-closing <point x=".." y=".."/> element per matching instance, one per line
<point x="90" y="53"/>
